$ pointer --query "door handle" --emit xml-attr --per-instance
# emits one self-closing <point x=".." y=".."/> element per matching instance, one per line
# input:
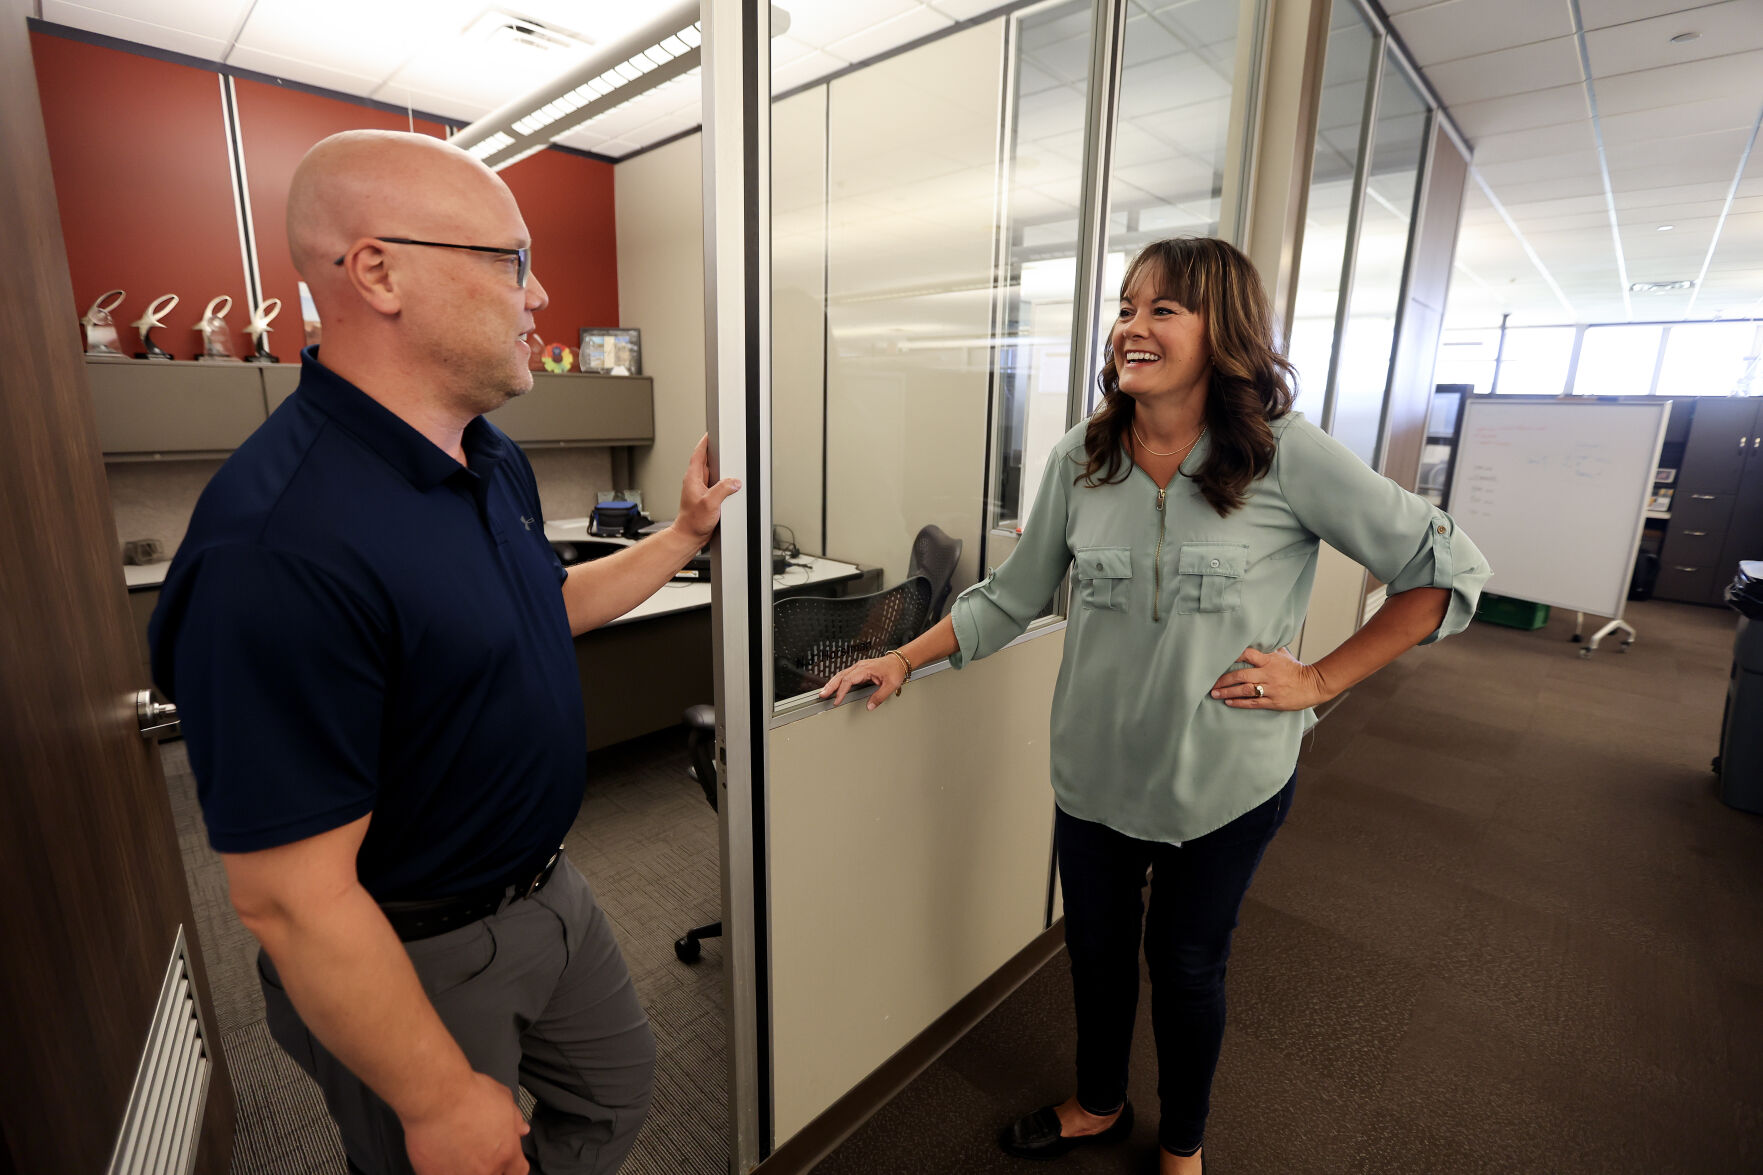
<point x="158" y="720"/>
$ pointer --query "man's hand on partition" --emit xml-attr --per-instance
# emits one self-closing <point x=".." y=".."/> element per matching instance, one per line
<point x="886" y="673"/>
<point x="700" y="502"/>
<point x="1273" y="681"/>
<point x="476" y="1131"/>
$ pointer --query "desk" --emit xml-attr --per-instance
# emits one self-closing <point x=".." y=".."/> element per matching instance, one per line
<point x="641" y="671"/>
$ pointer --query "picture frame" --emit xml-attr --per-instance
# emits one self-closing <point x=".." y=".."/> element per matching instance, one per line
<point x="1663" y="476"/>
<point x="611" y="350"/>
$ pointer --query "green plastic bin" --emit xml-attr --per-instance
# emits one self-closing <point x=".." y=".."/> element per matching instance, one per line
<point x="1511" y="613"/>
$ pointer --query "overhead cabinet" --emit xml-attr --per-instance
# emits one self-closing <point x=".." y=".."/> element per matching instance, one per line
<point x="156" y="409"/>
<point x="148" y="408"/>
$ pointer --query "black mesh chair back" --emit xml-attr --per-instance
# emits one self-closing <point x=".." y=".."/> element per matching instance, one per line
<point x="813" y="637"/>
<point x="934" y="555"/>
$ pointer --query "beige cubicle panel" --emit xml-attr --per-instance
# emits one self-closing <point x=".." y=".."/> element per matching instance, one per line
<point x="562" y="408"/>
<point x="908" y="861"/>
<point x="150" y="408"/>
<point x="581" y="409"/>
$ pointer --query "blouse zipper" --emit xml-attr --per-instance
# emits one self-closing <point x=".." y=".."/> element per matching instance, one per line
<point x="1157" y="590"/>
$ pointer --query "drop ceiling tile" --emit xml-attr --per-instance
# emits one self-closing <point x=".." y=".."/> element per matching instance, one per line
<point x="1690" y="81"/>
<point x="1537" y="66"/>
<point x="803" y="70"/>
<point x="888" y="34"/>
<point x="119" y="21"/>
<point x="1536" y="143"/>
<point x="1568" y="165"/>
<point x="1195" y="24"/>
<point x="1603" y="13"/>
<point x="301" y="71"/>
<point x="964" y="9"/>
<point x="1521" y="111"/>
<point x="1465" y="28"/>
<point x="1732" y="27"/>
<point x="349" y="38"/>
<point x="820" y="24"/>
<point x="1737" y="112"/>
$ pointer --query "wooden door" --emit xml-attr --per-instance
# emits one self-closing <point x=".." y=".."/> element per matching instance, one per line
<point x="94" y="888"/>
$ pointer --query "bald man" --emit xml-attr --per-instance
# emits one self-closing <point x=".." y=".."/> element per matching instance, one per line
<point x="368" y="639"/>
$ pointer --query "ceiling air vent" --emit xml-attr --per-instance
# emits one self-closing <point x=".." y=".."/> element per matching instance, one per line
<point x="1660" y="287"/>
<point x="500" y="29"/>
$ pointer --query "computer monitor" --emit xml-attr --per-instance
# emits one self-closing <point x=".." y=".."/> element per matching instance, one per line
<point x="1447" y="402"/>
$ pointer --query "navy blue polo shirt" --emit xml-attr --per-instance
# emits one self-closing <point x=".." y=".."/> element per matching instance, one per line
<point x="357" y="623"/>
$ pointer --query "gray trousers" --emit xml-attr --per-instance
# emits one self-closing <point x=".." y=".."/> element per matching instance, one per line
<point x="536" y="994"/>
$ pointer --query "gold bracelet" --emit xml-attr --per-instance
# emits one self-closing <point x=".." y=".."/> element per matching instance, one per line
<point x="908" y="664"/>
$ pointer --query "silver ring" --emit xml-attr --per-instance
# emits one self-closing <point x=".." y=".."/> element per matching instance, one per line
<point x="1260" y="690"/>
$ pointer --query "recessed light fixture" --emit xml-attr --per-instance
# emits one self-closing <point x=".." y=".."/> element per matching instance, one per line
<point x="1660" y="287"/>
<point x="1665" y="228"/>
<point x="1685" y="38"/>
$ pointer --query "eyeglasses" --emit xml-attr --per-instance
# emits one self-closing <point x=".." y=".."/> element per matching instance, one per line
<point x="522" y="257"/>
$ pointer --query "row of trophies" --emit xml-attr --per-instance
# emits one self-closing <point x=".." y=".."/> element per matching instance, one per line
<point x="217" y="343"/>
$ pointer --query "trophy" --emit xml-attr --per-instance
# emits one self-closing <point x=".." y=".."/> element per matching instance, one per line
<point x="258" y="329"/>
<point x="154" y="317"/>
<point x="100" y="331"/>
<point x="217" y="341"/>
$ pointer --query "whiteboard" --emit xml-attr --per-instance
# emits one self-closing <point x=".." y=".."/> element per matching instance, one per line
<point x="1555" y="495"/>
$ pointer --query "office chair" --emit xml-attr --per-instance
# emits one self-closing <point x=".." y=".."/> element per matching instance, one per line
<point x="934" y="555"/>
<point x="814" y="637"/>
<point x="701" y="747"/>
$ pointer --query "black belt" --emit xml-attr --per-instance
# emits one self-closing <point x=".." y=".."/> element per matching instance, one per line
<point x="425" y="919"/>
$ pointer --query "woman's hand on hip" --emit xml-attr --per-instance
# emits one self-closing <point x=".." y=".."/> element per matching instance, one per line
<point x="885" y="672"/>
<point x="1273" y="681"/>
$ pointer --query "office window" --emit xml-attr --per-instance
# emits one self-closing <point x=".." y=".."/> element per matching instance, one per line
<point x="1617" y="360"/>
<point x="1710" y="359"/>
<point x="1467" y="357"/>
<point x="1534" y="361"/>
<point x="1346" y="71"/>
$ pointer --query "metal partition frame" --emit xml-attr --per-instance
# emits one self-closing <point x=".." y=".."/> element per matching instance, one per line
<point x="1107" y="30"/>
<point x="737" y="368"/>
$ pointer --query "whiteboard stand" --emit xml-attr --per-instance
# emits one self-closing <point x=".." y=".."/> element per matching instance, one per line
<point x="1554" y="493"/>
<point x="1617" y="623"/>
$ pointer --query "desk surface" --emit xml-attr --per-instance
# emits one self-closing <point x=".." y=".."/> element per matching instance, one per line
<point x="684" y="595"/>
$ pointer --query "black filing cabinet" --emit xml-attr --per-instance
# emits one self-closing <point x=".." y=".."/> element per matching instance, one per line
<point x="1717" y="515"/>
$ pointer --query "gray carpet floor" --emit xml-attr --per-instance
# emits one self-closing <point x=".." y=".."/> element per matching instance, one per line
<point x="1508" y="927"/>
<point x="647" y="843"/>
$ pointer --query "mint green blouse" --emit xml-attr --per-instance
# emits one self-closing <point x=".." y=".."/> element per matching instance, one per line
<point x="1165" y="597"/>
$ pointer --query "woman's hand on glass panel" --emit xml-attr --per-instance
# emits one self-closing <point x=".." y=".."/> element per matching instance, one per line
<point x="886" y="672"/>
<point x="1273" y="681"/>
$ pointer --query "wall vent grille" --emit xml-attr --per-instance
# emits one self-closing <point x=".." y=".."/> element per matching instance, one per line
<point x="164" y="1115"/>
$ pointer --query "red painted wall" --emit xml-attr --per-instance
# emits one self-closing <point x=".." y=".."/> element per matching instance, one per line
<point x="138" y="148"/>
<point x="277" y="128"/>
<point x="568" y="205"/>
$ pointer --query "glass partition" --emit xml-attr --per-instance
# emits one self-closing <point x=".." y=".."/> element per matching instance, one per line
<point x="1049" y="79"/>
<point x="1398" y="137"/>
<point x="1346" y="71"/>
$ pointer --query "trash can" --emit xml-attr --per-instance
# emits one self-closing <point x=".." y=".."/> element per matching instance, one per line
<point x="1741" y="729"/>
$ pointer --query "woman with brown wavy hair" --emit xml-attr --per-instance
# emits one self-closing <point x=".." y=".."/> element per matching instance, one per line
<point x="1190" y="508"/>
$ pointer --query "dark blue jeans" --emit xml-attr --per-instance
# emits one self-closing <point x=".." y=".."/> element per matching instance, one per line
<point x="1197" y="889"/>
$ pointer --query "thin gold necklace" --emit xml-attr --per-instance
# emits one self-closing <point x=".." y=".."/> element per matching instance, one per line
<point x="1172" y="452"/>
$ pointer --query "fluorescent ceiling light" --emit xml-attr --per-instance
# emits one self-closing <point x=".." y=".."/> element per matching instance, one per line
<point x="662" y="51"/>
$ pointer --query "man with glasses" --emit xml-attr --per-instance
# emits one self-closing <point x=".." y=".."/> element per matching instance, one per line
<point x="369" y="641"/>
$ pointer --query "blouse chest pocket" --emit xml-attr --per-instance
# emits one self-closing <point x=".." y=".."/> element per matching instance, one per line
<point x="1104" y="577"/>
<point x="1209" y="576"/>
